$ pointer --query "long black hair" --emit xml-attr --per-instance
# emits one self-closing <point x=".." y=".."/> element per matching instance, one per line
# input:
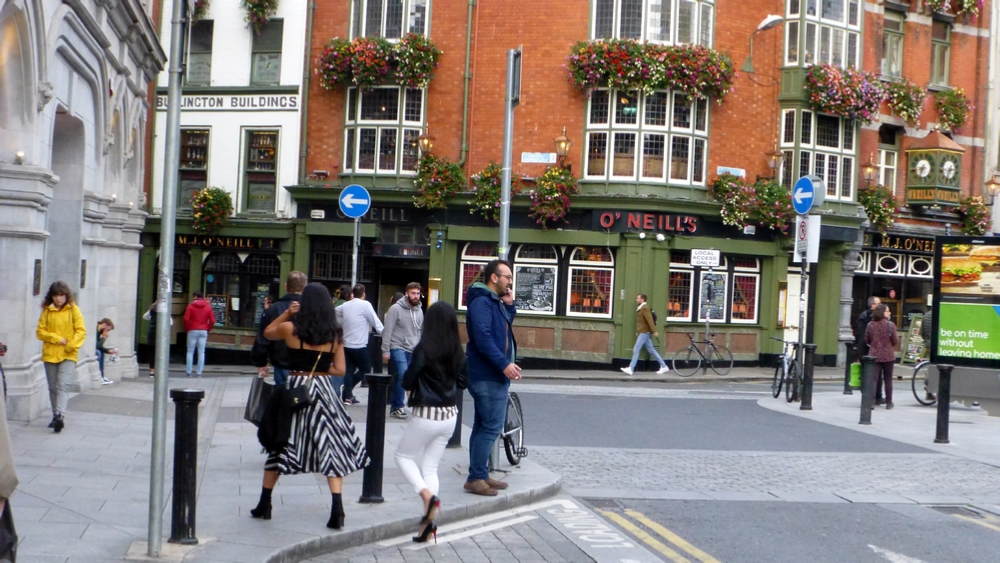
<point x="443" y="354"/>
<point x="316" y="322"/>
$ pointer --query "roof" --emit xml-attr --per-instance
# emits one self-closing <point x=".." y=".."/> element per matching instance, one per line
<point x="935" y="140"/>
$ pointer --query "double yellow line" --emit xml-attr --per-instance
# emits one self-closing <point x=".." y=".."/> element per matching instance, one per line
<point x="987" y="521"/>
<point x="662" y="532"/>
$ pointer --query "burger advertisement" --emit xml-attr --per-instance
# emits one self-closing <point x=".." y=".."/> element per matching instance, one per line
<point x="967" y="302"/>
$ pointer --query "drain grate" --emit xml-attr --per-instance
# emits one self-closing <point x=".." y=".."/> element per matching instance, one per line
<point x="958" y="511"/>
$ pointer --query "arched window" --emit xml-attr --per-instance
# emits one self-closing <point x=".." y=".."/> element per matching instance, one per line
<point x="730" y="294"/>
<point x="536" y="277"/>
<point x="240" y="285"/>
<point x="591" y="281"/>
<point x="475" y="256"/>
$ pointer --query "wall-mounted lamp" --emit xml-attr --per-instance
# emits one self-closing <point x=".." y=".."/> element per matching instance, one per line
<point x="774" y="160"/>
<point x="426" y="140"/>
<point x="768" y="23"/>
<point x="114" y="198"/>
<point x="19" y="157"/>
<point x="563" y="145"/>
<point x="130" y="204"/>
<point x="991" y="189"/>
<point x="869" y="170"/>
<point x="642" y="235"/>
<point x="660" y="237"/>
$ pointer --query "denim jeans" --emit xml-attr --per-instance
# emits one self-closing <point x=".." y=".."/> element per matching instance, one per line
<point x="645" y="339"/>
<point x="358" y="365"/>
<point x="196" y="338"/>
<point x="100" y="362"/>
<point x="280" y="376"/>
<point x="402" y="360"/>
<point x="490" y="399"/>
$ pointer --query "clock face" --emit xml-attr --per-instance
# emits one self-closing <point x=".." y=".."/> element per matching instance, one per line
<point x="949" y="168"/>
<point x="921" y="166"/>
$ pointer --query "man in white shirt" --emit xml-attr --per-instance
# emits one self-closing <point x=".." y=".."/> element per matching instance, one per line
<point x="357" y="318"/>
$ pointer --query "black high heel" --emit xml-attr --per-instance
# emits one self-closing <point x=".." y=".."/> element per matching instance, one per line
<point x="428" y="530"/>
<point x="262" y="511"/>
<point x="432" y="507"/>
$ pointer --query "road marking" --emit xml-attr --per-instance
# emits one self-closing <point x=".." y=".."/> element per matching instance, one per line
<point x="489" y="528"/>
<point x="646" y="538"/>
<point x="893" y="556"/>
<point x="671" y="537"/>
<point x="977" y="521"/>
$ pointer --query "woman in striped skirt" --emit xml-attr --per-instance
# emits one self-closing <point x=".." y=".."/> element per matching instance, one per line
<point x="433" y="379"/>
<point x="323" y="438"/>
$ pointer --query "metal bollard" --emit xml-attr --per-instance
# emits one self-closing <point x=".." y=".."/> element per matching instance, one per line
<point x="378" y="394"/>
<point x="943" y="402"/>
<point x="848" y="362"/>
<point x="182" y="521"/>
<point x="867" y="389"/>
<point x="456" y="436"/>
<point x="807" y="377"/>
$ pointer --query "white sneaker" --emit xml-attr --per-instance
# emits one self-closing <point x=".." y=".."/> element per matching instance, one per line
<point x="662" y="370"/>
<point x="106" y="382"/>
<point x="627" y="371"/>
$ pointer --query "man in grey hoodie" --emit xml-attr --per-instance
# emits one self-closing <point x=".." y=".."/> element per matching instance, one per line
<point x="403" y="322"/>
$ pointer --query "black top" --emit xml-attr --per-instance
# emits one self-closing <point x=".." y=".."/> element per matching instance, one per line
<point x="275" y="350"/>
<point x="301" y="359"/>
<point x="430" y="390"/>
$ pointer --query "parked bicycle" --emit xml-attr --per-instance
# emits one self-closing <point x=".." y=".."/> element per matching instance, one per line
<point x="513" y="430"/>
<point x="923" y="391"/>
<point x="786" y="373"/>
<point x="688" y="360"/>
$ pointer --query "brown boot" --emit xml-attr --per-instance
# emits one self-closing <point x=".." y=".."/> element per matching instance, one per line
<point x="498" y="485"/>
<point x="480" y="487"/>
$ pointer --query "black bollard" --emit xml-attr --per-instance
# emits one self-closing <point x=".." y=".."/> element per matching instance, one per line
<point x="848" y="362"/>
<point x="456" y="436"/>
<point x="943" y="402"/>
<point x="182" y="521"/>
<point x="807" y="377"/>
<point x="867" y="389"/>
<point x="378" y="394"/>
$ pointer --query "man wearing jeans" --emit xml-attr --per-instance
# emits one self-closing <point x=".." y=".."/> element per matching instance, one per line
<point x="275" y="350"/>
<point x="645" y="329"/>
<point x="490" y="354"/>
<point x="198" y="320"/>
<point x="403" y="322"/>
<point x="357" y="317"/>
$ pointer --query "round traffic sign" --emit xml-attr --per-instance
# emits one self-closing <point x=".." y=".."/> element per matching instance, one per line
<point x="355" y="201"/>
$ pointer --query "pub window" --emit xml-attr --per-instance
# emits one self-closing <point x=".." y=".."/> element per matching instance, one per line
<point x="261" y="171"/>
<point x="382" y="128"/>
<point x="199" y="59"/>
<point x="236" y="289"/>
<point x="391" y="19"/>
<point x="265" y="66"/>
<point x="193" y="171"/>
<point x="679" y="294"/>
<point x="892" y="44"/>
<point x="536" y="277"/>
<point x="940" y="52"/>
<point x="473" y="262"/>
<point x="657" y="21"/>
<point x="731" y="295"/>
<point x="712" y="298"/>
<point x="182" y="270"/>
<point x="591" y="281"/>
<point x="746" y="290"/>
<point x="332" y="260"/>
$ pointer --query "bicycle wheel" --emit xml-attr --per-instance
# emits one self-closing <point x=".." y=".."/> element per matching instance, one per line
<point x="792" y="382"/>
<point x="687" y="361"/>
<point x="779" y="379"/>
<point x="921" y="392"/>
<point x="720" y="359"/>
<point x="513" y="430"/>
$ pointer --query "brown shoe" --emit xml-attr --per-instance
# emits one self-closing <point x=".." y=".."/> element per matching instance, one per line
<point x="480" y="487"/>
<point x="498" y="485"/>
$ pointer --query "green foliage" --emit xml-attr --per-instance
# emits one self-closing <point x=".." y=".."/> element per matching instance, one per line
<point x="212" y="208"/>
<point x="550" y="198"/>
<point x="879" y="205"/>
<point x="437" y="179"/>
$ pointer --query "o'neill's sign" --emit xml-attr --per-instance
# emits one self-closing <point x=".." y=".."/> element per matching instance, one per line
<point x="234" y="102"/>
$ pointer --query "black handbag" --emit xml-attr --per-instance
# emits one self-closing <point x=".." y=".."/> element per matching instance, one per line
<point x="275" y="427"/>
<point x="260" y="392"/>
<point x="300" y="397"/>
<point x="8" y="535"/>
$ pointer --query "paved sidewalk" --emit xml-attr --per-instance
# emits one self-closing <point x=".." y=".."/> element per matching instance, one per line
<point x="83" y="494"/>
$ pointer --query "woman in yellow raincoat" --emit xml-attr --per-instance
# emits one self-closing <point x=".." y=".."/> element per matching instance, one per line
<point x="62" y="332"/>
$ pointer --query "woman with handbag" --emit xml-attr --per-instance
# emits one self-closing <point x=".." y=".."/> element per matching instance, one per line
<point x="62" y="332"/>
<point x="322" y="437"/>
<point x="435" y="375"/>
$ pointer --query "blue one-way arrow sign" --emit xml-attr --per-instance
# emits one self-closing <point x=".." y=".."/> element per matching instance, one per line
<point x="807" y="192"/>
<point x="355" y="201"/>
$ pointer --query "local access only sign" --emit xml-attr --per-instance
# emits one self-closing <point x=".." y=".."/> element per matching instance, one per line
<point x="966" y="319"/>
<point x="706" y="258"/>
<point x="355" y="201"/>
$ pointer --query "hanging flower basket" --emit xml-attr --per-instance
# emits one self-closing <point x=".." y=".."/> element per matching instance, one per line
<point x="736" y="197"/>
<point x="212" y="208"/>
<point x="845" y="92"/>
<point x="200" y="10"/>
<point x="628" y="65"/>
<point x="371" y="61"/>
<point x="975" y="216"/>
<point x="970" y="9"/>
<point x="939" y="6"/>
<point x="258" y="13"/>
<point x="416" y="57"/>
<point x="486" y="188"/>
<point x="550" y="197"/>
<point x="368" y="62"/>
<point x="334" y="63"/>
<point x="879" y="206"/>
<point x="953" y="108"/>
<point x="437" y="179"/>
<point x="906" y="100"/>
<point x="773" y="205"/>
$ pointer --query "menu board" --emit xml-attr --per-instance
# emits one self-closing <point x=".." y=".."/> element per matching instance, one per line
<point x="713" y="297"/>
<point x="913" y="344"/>
<point x="535" y="289"/>
<point x="220" y="307"/>
<point x="966" y="320"/>
<point x="262" y="289"/>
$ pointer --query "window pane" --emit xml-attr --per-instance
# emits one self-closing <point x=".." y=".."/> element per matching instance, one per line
<point x="744" y="297"/>
<point x="270" y="37"/>
<point x="199" y="69"/>
<point x="653" y="152"/>
<point x="631" y="19"/>
<point x="626" y="108"/>
<point x="604" y="18"/>
<point x="682" y="111"/>
<point x="373" y="19"/>
<point x="590" y="290"/>
<point x="819" y="169"/>
<point x="679" y="295"/>
<point x="832" y="169"/>
<point x="852" y="50"/>
<point x="833" y="10"/>
<point x="793" y="7"/>
<point x="827" y="131"/>
<point x="349" y="150"/>
<point x="793" y="43"/>
<point x="853" y="11"/>
<point x="939" y="30"/>
<point x="698" y="165"/>
<point x="701" y="115"/>
<point x="393" y="19"/>
<point x="810" y="7"/>
<point x="624" y="164"/>
<point x="685" y="22"/>
<point x="600" y="101"/>
<point x="849" y="126"/>
<point x="807" y="134"/>
<point x="411" y="150"/>
<point x="846" y="176"/>
<point x="201" y="36"/>
<point x="824" y="44"/>
<point x="418" y="17"/>
<point x="597" y="154"/>
<point x="788" y="129"/>
<point x="414" y="104"/>
<point x="387" y="149"/>
<point x="810" y="46"/>
<point x="357" y="9"/>
<point x="680" y="150"/>
<point x="804" y="163"/>
<point x="266" y="68"/>
<point x="352" y="104"/>
<point x="656" y="109"/>
<point x="366" y="148"/>
<point x="838" y="48"/>
<point x="705" y="25"/>
<point x="471" y="273"/>
<point x="658" y="27"/>
<point x="380" y="104"/>
<point x="786" y="169"/>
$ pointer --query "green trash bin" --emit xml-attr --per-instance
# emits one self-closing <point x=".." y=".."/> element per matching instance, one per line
<point x="856" y="376"/>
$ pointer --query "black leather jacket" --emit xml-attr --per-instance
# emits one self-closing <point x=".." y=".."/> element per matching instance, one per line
<point x="426" y="390"/>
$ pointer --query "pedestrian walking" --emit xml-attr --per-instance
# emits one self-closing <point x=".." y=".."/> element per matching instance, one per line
<point x="861" y="327"/>
<point x="150" y="315"/>
<point x="343" y="296"/>
<point x="62" y="332"/>
<point x="436" y="372"/>
<point x="490" y="353"/>
<point x="882" y="339"/>
<point x="198" y="322"/>
<point x="357" y="317"/>
<point x="104" y="328"/>
<point x="403" y="322"/>
<point x="322" y="437"/>
<point x="275" y="351"/>
<point x="645" y="329"/>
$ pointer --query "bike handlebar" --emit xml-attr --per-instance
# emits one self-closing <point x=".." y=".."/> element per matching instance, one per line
<point x="792" y="342"/>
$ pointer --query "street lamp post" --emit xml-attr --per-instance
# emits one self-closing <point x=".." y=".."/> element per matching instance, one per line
<point x="563" y="145"/>
<point x="768" y="23"/>
<point x="774" y="160"/>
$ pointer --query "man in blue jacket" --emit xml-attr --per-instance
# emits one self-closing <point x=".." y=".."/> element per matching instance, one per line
<point x="490" y="355"/>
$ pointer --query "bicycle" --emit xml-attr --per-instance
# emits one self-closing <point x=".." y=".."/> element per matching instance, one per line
<point x="924" y="394"/>
<point x="688" y="360"/>
<point x="513" y="430"/>
<point x="786" y="373"/>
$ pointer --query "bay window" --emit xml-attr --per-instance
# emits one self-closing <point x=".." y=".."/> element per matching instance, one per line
<point x="673" y="22"/>
<point x="381" y="130"/>
<point x="391" y="19"/>
<point x="826" y="147"/>
<point x="830" y="35"/>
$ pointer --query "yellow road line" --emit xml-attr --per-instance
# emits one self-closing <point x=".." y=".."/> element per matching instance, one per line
<point x="977" y="521"/>
<point x="672" y="537"/>
<point x="642" y="535"/>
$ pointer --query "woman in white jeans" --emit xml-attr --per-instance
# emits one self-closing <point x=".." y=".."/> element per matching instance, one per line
<point x="433" y="379"/>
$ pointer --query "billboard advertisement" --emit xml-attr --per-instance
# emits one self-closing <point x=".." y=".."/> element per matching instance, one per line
<point x="966" y="320"/>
